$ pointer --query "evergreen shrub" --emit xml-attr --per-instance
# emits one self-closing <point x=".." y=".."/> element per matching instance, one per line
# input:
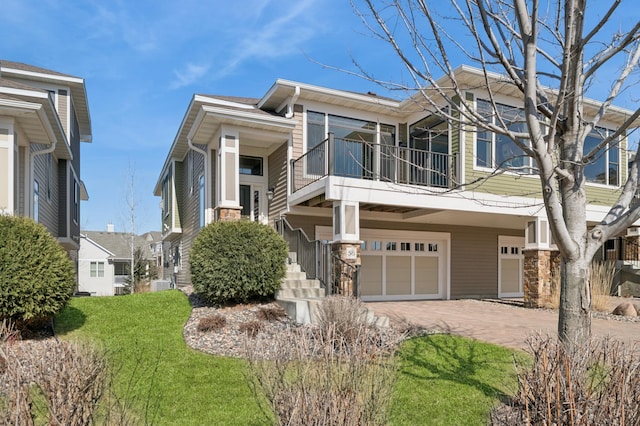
<point x="239" y="261"/>
<point x="37" y="278"/>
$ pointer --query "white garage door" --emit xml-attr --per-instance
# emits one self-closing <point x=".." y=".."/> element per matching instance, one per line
<point x="510" y="266"/>
<point x="402" y="265"/>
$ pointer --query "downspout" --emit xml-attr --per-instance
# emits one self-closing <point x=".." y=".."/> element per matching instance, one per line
<point x="195" y="148"/>
<point x="206" y="180"/>
<point x="292" y="101"/>
<point x="32" y="156"/>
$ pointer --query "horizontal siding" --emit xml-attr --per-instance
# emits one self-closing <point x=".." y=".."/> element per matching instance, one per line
<point x="527" y="186"/>
<point x="298" y="139"/>
<point x="278" y="181"/>
<point x="47" y="205"/>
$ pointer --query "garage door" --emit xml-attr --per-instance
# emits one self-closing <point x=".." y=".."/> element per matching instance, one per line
<point x="510" y="266"/>
<point x="402" y="265"/>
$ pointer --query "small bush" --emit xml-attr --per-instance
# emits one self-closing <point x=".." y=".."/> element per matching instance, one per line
<point x="320" y="378"/>
<point x="237" y="261"/>
<point x="69" y="377"/>
<point x="251" y="328"/>
<point x="270" y="313"/>
<point x="37" y="278"/>
<point x="601" y="277"/>
<point x="597" y="384"/>
<point x="212" y="323"/>
<point x="346" y="316"/>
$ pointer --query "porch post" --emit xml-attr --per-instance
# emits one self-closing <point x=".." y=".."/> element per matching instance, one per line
<point x="346" y="246"/>
<point x="228" y="205"/>
<point x="541" y="276"/>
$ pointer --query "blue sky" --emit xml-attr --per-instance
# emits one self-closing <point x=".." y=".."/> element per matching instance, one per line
<point x="143" y="60"/>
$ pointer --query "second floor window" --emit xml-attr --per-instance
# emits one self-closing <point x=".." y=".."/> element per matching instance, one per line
<point x="354" y="141"/>
<point x="498" y="151"/>
<point x="605" y="167"/>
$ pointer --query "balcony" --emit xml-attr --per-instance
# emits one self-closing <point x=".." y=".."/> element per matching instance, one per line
<point x="364" y="160"/>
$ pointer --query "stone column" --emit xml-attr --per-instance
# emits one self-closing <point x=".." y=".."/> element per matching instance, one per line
<point x="540" y="279"/>
<point x="343" y="278"/>
<point x="229" y="214"/>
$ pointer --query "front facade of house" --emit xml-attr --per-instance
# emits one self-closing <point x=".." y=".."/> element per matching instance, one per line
<point x="377" y="178"/>
<point x="44" y="116"/>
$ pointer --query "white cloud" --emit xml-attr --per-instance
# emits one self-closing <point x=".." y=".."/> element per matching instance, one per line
<point x="188" y="75"/>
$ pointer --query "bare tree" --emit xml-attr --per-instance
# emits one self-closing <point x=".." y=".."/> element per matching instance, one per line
<point x="131" y="205"/>
<point x="552" y="53"/>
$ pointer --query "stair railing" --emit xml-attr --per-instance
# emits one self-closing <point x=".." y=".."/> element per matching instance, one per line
<point x="309" y="254"/>
<point x="319" y="262"/>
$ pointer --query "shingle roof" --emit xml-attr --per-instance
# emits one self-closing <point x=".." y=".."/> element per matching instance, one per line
<point x="30" y="68"/>
<point x="118" y="243"/>
<point x="15" y="85"/>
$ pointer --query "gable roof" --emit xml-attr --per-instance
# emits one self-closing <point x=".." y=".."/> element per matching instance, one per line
<point x="10" y="69"/>
<point x="118" y="243"/>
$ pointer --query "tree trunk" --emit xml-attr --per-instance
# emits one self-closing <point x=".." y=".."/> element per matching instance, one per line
<point x="574" y="321"/>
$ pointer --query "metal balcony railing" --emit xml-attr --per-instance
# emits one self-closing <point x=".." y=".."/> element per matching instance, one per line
<point x="365" y="160"/>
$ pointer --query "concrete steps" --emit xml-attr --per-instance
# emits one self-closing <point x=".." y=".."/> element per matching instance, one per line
<point x="300" y="297"/>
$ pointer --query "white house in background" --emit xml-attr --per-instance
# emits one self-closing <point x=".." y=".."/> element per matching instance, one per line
<point x="105" y="258"/>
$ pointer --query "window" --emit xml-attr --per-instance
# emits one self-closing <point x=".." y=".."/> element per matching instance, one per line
<point x="354" y="140"/>
<point x="250" y="165"/>
<point x="391" y="246"/>
<point x="433" y="247"/>
<point x="405" y="246"/>
<point x="500" y="151"/>
<point x="429" y="152"/>
<point x="96" y="269"/>
<point x="605" y="166"/>
<point x="165" y="194"/>
<point x="76" y="201"/>
<point x="201" y="199"/>
<point x="121" y="268"/>
<point x="36" y="200"/>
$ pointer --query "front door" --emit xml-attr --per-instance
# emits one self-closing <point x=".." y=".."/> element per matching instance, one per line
<point x="253" y="205"/>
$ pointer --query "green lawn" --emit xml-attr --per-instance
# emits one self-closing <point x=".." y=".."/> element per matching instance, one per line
<point x="443" y="379"/>
<point x="143" y="335"/>
<point x="450" y="380"/>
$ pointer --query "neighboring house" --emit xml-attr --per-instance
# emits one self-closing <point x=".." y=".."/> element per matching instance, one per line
<point x="105" y="260"/>
<point x="154" y="240"/>
<point x="377" y="179"/>
<point x="44" y="115"/>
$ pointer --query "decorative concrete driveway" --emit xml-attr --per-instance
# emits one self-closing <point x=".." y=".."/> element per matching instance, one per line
<point x="497" y="323"/>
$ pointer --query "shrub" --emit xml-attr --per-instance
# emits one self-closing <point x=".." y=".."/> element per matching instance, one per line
<point x="251" y="328"/>
<point x="598" y="383"/>
<point x="270" y="313"/>
<point x="212" y="323"/>
<point x="346" y="316"/>
<point x="61" y="381"/>
<point x="37" y="278"/>
<point x="237" y="261"/>
<point x="320" y="378"/>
